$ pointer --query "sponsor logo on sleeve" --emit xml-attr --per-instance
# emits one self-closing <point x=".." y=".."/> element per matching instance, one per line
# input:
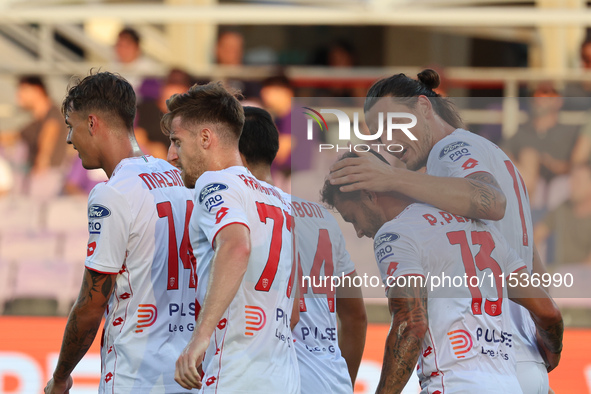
<point x="469" y="164"/>
<point x="96" y="211"/>
<point x="454" y="146"/>
<point x="94" y="227"/>
<point x="213" y="201"/>
<point x="90" y="249"/>
<point x="210" y="189"/>
<point x="386" y="237"/>
<point x="382" y="249"/>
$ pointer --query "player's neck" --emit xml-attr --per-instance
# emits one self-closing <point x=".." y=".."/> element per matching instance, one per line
<point x="261" y="172"/>
<point x="440" y="129"/>
<point x="119" y="149"/>
<point x="392" y="206"/>
<point x="224" y="158"/>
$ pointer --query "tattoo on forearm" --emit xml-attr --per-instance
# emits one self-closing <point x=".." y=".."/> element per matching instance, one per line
<point x="483" y="199"/>
<point x="552" y="337"/>
<point x="404" y="342"/>
<point x="80" y="329"/>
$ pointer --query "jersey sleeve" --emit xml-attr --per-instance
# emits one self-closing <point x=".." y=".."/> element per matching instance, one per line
<point x="396" y="255"/>
<point x="109" y="225"/>
<point x="218" y="203"/>
<point x="457" y="159"/>
<point x="512" y="260"/>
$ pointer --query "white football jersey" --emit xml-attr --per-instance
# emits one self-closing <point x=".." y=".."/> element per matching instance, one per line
<point x="252" y="349"/>
<point x="320" y="252"/>
<point x="138" y="224"/>
<point x="463" y="153"/>
<point x="468" y="347"/>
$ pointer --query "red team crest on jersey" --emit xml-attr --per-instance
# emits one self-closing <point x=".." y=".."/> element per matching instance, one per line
<point x="469" y="164"/>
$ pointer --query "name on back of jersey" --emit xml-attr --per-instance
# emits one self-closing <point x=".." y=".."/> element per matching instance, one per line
<point x="157" y="180"/>
<point x="456" y="150"/>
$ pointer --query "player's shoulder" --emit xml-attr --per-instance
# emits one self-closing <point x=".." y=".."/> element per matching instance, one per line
<point x="461" y="143"/>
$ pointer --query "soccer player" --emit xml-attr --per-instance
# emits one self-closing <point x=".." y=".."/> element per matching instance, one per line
<point x="465" y="174"/>
<point x="241" y="233"/>
<point x="459" y="332"/>
<point x="140" y="269"/>
<point x="328" y="360"/>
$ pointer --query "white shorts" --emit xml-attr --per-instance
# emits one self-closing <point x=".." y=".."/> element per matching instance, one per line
<point x="533" y="377"/>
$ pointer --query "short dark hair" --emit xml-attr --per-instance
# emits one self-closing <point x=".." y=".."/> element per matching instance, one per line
<point x="277" y="80"/>
<point x="211" y="103"/>
<point x="104" y="92"/>
<point x="131" y="33"/>
<point x="407" y="90"/>
<point x="33" y="80"/>
<point x="259" y="141"/>
<point x="329" y="192"/>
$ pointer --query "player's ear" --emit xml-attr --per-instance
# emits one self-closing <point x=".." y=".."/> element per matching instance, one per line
<point x="205" y="137"/>
<point x="424" y="106"/>
<point x="371" y="196"/>
<point x="92" y="124"/>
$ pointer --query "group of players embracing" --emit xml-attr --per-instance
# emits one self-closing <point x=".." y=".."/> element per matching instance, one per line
<point x="196" y="262"/>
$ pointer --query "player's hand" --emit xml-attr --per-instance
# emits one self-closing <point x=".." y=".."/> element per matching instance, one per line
<point x="365" y="172"/>
<point x="189" y="362"/>
<point x="59" y="387"/>
<point x="551" y="359"/>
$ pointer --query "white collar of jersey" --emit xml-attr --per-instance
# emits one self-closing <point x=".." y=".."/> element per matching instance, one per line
<point x="144" y="158"/>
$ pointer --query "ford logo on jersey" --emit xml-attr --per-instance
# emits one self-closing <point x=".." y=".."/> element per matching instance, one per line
<point x="387" y="237"/>
<point x="211" y="188"/>
<point x="96" y="211"/>
<point x="451" y="147"/>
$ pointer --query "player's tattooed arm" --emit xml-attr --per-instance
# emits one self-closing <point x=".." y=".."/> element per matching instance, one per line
<point x="408" y="307"/>
<point x="84" y="321"/>
<point x="486" y="196"/>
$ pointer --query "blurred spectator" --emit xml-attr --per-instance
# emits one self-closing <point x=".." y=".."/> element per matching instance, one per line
<point x="578" y="94"/>
<point x="276" y="95"/>
<point x="130" y="62"/>
<point x="295" y="152"/>
<point x="543" y="149"/>
<point x="570" y="223"/>
<point x="149" y="113"/>
<point x="229" y="49"/>
<point x="45" y="135"/>
<point x="340" y="54"/>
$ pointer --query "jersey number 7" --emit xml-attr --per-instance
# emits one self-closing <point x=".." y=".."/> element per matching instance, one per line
<point x="265" y="212"/>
